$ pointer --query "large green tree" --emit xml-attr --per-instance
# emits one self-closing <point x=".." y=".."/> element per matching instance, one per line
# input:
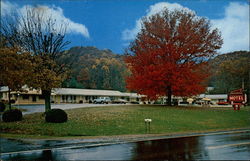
<point x="96" y="69"/>
<point x="104" y="73"/>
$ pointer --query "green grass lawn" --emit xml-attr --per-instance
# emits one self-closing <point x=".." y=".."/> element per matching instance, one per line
<point x="121" y="120"/>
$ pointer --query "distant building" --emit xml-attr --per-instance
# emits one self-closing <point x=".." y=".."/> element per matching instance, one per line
<point x="215" y="98"/>
<point x="65" y="95"/>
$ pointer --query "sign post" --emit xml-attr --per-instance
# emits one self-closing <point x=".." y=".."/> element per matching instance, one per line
<point x="147" y="124"/>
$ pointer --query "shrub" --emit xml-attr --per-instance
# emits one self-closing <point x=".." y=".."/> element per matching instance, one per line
<point x="12" y="115"/>
<point x="2" y="106"/>
<point x="56" y="116"/>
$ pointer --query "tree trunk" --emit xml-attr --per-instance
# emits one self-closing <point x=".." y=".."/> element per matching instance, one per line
<point x="9" y="98"/>
<point x="169" y="92"/>
<point x="47" y="94"/>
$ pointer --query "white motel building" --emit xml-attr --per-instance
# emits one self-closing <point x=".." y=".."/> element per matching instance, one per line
<point x="65" y="95"/>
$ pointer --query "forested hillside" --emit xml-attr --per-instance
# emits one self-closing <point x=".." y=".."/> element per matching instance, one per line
<point x="103" y="69"/>
<point x="96" y="69"/>
<point x="230" y="71"/>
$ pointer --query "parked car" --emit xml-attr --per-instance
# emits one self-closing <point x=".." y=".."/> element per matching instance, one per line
<point x="121" y="101"/>
<point x="102" y="100"/>
<point x="135" y="102"/>
<point x="223" y="103"/>
<point x="184" y="103"/>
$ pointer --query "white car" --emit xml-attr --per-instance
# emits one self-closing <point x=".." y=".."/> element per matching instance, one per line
<point x="121" y="101"/>
<point x="102" y="100"/>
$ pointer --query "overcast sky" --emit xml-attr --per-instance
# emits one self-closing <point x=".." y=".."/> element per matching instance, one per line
<point x="112" y="24"/>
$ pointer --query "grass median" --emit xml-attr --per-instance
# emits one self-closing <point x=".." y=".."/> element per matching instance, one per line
<point x="126" y="120"/>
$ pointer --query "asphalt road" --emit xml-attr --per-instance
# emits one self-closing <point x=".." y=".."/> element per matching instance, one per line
<point x="222" y="146"/>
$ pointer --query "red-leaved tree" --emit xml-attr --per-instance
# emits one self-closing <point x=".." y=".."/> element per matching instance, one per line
<point x="169" y="54"/>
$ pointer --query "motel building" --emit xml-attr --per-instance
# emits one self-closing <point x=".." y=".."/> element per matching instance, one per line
<point x="65" y="95"/>
<point x="74" y="95"/>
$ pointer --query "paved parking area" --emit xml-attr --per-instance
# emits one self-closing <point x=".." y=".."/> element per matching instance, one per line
<point x="41" y="108"/>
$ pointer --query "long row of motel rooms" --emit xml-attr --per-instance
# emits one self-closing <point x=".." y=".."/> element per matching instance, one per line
<point x="66" y="95"/>
<point x="73" y="95"/>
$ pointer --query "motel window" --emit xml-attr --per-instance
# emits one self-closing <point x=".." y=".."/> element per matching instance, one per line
<point x="25" y="96"/>
<point x="41" y="96"/>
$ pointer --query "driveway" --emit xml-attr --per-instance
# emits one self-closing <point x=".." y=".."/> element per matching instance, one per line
<point x="41" y="108"/>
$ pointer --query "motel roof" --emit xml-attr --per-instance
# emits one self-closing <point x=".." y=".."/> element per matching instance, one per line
<point x="86" y="92"/>
<point x="75" y="91"/>
<point x="25" y="90"/>
<point x="4" y="89"/>
<point x="213" y="96"/>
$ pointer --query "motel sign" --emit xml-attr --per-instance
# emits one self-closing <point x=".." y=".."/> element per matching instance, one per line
<point x="237" y="98"/>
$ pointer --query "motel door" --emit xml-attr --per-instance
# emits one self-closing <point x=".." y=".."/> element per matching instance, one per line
<point x="34" y="98"/>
